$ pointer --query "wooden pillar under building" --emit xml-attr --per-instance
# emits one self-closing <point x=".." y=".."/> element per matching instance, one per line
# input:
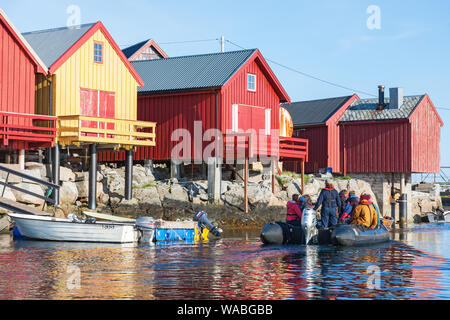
<point x="273" y="169"/>
<point x="246" y="184"/>
<point x="303" y="176"/>
<point x="92" y="177"/>
<point x="403" y="201"/>
<point x="22" y="159"/>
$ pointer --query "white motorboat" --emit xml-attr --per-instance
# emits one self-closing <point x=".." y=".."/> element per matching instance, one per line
<point x="441" y="216"/>
<point x="74" y="230"/>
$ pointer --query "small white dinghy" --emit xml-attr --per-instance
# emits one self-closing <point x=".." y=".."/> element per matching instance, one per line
<point x="70" y="230"/>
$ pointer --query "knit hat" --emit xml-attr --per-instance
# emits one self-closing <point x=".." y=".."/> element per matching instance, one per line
<point x="352" y="194"/>
<point x="366" y="197"/>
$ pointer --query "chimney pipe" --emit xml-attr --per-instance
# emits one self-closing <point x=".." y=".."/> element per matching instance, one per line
<point x="381" y="104"/>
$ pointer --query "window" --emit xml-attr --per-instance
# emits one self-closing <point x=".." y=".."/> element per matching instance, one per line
<point x="251" y="82"/>
<point x="98" y="52"/>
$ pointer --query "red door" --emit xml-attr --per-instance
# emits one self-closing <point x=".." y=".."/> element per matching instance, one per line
<point x="254" y="119"/>
<point x="100" y="104"/>
<point x="89" y="108"/>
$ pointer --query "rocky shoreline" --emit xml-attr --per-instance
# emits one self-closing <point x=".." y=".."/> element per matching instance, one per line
<point x="155" y="195"/>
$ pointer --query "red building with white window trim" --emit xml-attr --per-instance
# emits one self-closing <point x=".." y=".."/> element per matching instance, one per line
<point x="231" y="91"/>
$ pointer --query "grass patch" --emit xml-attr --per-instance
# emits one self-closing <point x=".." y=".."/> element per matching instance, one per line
<point x="150" y="185"/>
<point x="344" y="178"/>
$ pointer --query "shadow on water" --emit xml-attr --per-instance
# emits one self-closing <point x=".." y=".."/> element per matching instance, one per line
<point x="414" y="265"/>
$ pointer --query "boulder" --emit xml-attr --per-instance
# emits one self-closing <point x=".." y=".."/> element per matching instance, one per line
<point x="8" y="195"/>
<point x="29" y="199"/>
<point x="83" y="189"/>
<point x="66" y="175"/>
<point x="147" y="198"/>
<point x="68" y="193"/>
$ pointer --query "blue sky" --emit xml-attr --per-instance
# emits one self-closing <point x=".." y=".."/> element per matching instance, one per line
<point x="325" y="38"/>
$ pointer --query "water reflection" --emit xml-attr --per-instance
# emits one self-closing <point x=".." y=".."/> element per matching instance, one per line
<point x="237" y="267"/>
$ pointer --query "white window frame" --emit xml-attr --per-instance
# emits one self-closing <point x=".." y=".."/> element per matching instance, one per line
<point x="235" y="118"/>
<point x="268" y="121"/>
<point x="248" y="82"/>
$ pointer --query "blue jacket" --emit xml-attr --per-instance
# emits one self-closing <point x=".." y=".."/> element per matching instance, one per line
<point x="329" y="199"/>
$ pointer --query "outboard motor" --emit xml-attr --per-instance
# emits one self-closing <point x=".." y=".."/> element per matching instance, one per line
<point x="146" y="227"/>
<point x="203" y="223"/>
<point x="309" y="222"/>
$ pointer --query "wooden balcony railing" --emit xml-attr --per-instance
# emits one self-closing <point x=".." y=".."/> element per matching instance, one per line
<point x="294" y="149"/>
<point x="83" y="129"/>
<point x="31" y="128"/>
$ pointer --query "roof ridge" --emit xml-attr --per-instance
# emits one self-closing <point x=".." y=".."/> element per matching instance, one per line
<point x="323" y="99"/>
<point x="194" y="55"/>
<point x="59" y="29"/>
<point x="389" y="98"/>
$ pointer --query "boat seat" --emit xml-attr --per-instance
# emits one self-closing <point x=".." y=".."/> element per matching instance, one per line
<point x="20" y="208"/>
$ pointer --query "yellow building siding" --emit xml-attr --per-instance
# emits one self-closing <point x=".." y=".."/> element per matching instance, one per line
<point x="80" y="71"/>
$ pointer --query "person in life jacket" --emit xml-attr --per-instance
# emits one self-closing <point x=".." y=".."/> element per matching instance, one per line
<point x="294" y="213"/>
<point x="349" y="206"/>
<point x="331" y="206"/>
<point x="343" y="195"/>
<point x="304" y="202"/>
<point x="365" y="214"/>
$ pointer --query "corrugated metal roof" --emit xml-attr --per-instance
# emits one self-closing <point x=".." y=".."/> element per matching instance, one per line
<point x="366" y="110"/>
<point x="190" y="72"/>
<point x="128" y="52"/>
<point x="51" y="44"/>
<point x="314" y="112"/>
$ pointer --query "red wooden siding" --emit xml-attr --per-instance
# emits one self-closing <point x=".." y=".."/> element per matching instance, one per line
<point x="318" y="149"/>
<point x="17" y="89"/>
<point x="17" y="74"/>
<point x="426" y="136"/>
<point x="382" y="146"/>
<point x="180" y="110"/>
<point x="235" y="92"/>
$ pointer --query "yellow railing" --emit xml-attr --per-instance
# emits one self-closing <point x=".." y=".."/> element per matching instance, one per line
<point x="83" y="129"/>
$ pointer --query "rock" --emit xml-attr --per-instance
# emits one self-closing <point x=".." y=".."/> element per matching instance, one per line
<point x="36" y="173"/>
<point x="176" y="197"/>
<point x="147" y="198"/>
<point x="29" y="199"/>
<point x="83" y="189"/>
<point x="295" y="187"/>
<point x="68" y="193"/>
<point x="8" y="195"/>
<point x="66" y="175"/>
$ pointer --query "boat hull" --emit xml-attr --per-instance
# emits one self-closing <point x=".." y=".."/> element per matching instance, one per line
<point x="52" y="229"/>
<point x="342" y="235"/>
<point x="351" y="235"/>
<point x="434" y="218"/>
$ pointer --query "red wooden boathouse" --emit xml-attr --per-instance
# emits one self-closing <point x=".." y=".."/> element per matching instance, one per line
<point x="232" y="91"/>
<point x="19" y="64"/>
<point x="318" y="121"/>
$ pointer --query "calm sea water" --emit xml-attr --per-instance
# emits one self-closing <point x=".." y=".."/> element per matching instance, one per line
<point x="415" y="265"/>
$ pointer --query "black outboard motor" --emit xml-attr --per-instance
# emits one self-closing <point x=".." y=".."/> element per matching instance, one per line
<point x="202" y="218"/>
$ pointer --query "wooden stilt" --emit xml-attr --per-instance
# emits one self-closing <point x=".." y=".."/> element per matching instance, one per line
<point x="246" y="185"/>
<point x="303" y="176"/>
<point x="273" y="173"/>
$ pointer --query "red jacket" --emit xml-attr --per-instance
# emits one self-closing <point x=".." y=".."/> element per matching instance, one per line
<point x="293" y="212"/>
